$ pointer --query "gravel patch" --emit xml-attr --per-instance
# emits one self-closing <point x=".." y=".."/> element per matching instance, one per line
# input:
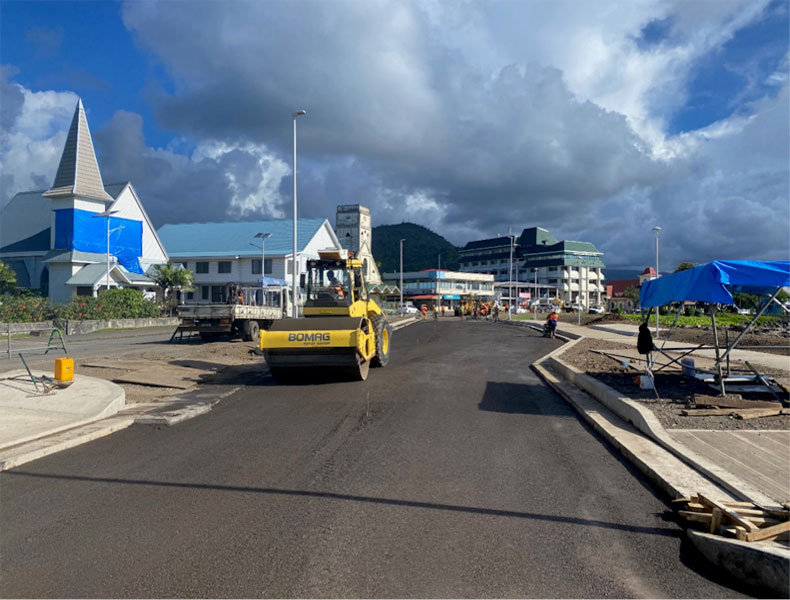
<point x="676" y="391"/>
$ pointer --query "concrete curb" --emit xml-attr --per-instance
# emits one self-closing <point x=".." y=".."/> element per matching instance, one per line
<point x="759" y="564"/>
<point x="116" y="401"/>
<point x="754" y="562"/>
<point x="662" y="468"/>
<point x="646" y="422"/>
<point x="39" y="448"/>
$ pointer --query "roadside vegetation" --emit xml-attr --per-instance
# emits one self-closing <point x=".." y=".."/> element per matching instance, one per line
<point x="116" y="303"/>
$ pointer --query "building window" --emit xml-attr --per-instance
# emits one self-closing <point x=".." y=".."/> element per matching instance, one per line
<point x="204" y="289"/>
<point x="83" y="290"/>
<point x="256" y="266"/>
<point x="201" y="267"/>
<point x="223" y="266"/>
<point x="219" y="294"/>
<point x="185" y="265"/>
<point x="190" y="295"/>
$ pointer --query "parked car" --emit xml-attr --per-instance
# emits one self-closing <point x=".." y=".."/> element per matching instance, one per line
<point x="408" y="309"/>
<point x="597" y="310"/>
<point x="575" y="307"/>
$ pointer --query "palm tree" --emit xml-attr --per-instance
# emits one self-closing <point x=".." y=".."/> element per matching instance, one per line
<point x="171" y="277"/>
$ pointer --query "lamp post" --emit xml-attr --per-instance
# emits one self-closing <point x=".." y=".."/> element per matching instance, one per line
<point x="535" y="300"/>
<point x="295" y="264"/>
<point x="263" y="237"/>
<point x="656" y="230"/>
<point x="510" y="282"/>
<point x="401" y="274"/>
<point x="107" y="214"/>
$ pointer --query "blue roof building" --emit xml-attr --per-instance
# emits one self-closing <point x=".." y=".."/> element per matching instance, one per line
<point x="228" y="252"/>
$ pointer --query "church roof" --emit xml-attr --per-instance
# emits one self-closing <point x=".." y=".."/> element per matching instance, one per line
<point x="78" y="172"/>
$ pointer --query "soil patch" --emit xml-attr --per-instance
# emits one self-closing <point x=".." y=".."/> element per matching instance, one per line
<point x="208" y="359"/>
<point x="675" y="390"/>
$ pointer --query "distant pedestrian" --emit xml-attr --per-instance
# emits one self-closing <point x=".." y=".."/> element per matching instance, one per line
<point x="424" y="311"/>
<point x="551" y="322"/>
<point x="435" y="312"/>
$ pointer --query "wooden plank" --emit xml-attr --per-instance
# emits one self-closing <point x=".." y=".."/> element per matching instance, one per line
<point x="695" y="516"/>
<point x="740" y="413"/>
<point x="729" y="513"/>
<point x="715" y="520"/>
<point x="706" y="412"/>
<point x="738" y="503"/>
<point x="768" y="532"/>
<point x="755" y="413"/>
<point x="732" y="402"/>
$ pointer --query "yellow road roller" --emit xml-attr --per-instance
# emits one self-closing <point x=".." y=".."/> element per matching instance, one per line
<point x="343" y="333"/>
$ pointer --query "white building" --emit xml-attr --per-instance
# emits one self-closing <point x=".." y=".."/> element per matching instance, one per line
<point x="354" y="230"/>
<point x="228" y="252"/>
<point x="535" y="265"/>
<point x="55" y="243"/>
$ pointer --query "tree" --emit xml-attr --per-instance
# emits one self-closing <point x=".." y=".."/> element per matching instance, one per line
<point x="683" y="266"/>
<point x="7" y="278"/>
<point x="632" y="292"/>
<point x="170" y="277"/>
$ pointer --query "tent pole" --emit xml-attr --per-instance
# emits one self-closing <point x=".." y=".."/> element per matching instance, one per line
<point x="716" y="344"/>
<point x="752" y="322"/>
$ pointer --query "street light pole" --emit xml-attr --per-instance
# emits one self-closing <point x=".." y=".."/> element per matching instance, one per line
<point x="401" y="274"/>
<point x="510" y="282"/>
<point x="295" y="264"/>
<point x="535" y="300"/>
<point x="107" y="214"/>
<point x="263" y="237"/>
<point x="656" y="230"/>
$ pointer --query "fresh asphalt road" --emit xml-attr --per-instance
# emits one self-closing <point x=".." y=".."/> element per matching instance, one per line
<point x="453" y="472"/>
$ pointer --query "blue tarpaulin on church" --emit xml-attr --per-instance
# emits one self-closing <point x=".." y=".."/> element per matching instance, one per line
<point x="716" y="281"/>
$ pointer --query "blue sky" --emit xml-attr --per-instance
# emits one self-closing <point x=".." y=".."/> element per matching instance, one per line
<point x="596" y="120"/>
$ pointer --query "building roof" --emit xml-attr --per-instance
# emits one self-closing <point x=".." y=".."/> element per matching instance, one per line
<point x="648" y="271"/>
<point x="489" y="243"/>
<point x="620" y="285"/>
<point x="90" y="275"/>
<point x="74" y="256"/>
<point x="236" y="238"/>
<point x="25" y="216"/>
<point x="78" y="172"/>
<point x="38" y="242"/>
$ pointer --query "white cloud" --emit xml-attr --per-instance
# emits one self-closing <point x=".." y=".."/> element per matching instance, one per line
<point x="32" y="139"/>
<point x="466" y="117"/>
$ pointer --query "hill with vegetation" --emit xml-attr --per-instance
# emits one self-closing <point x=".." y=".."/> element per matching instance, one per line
<point x="421" y="248"/>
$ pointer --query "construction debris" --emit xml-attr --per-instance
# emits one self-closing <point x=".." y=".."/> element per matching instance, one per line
<point x="745" y="521"/>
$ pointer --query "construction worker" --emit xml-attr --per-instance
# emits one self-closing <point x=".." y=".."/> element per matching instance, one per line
<point x="551" y="323"/>
<point x="435" y="312"/>
<point x="424" y="311"/>
<point x="334" y="285"/>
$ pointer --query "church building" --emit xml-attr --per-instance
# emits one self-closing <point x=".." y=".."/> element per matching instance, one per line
<point x="58" y="240"/>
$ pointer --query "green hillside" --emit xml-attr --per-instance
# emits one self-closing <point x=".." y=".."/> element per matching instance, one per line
<point x="421" y="248"/>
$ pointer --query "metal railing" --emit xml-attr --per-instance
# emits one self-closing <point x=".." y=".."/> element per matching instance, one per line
<point x="54" y="334"/>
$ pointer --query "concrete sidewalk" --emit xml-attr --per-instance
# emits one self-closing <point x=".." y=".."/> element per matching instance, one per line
<point x="724" y="464"/>
<point x="28" y="414"/>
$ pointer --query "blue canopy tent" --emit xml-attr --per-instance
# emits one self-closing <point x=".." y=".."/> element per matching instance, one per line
<point x="715" y="282"/>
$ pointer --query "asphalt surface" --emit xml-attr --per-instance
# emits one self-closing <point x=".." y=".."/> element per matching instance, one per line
<point x="453" y="472"/>
<point x="99" y="344"/>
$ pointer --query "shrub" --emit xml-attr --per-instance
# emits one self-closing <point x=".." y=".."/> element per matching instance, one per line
<point x="24" y="309"/>
<point x="116" y="303"/>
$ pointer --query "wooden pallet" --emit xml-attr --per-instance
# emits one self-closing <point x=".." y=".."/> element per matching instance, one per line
<point x="745" y="521"/>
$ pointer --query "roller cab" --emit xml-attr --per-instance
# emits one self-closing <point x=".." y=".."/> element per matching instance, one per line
<point x="343" y="333"/>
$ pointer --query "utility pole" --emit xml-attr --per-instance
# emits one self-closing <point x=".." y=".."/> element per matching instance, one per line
<point x="401" y="275"/>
